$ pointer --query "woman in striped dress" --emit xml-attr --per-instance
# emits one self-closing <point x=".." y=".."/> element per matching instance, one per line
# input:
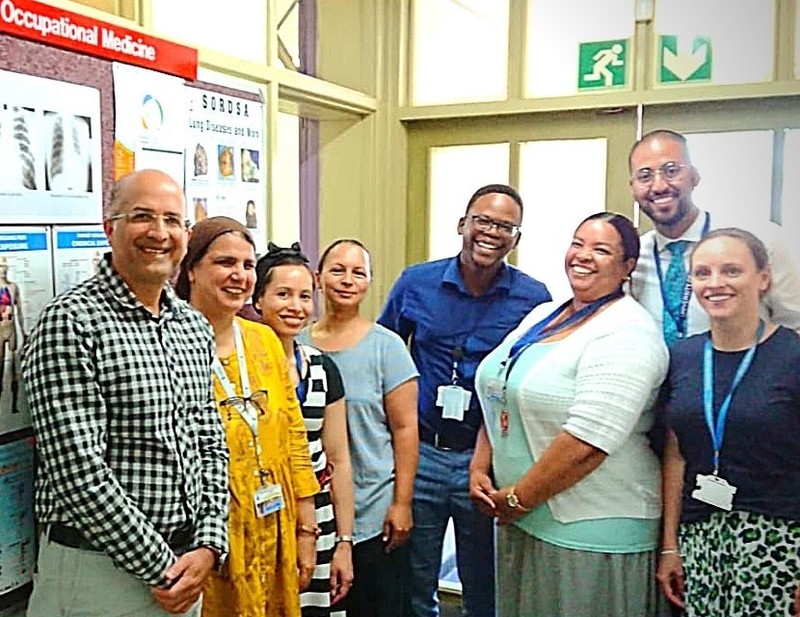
<point x="283" y="296"/>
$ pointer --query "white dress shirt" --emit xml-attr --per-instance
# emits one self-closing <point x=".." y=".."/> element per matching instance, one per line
<point x="781" y="303"/>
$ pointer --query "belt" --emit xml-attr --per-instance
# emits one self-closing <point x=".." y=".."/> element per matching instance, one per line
<point x="446" y="442"/>
<point x="178" y="540"/>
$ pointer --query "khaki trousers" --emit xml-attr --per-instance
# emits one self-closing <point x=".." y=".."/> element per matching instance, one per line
<point x="78" y="583"/>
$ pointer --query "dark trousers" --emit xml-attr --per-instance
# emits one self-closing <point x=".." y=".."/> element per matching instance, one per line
<point x="380" y="588"/>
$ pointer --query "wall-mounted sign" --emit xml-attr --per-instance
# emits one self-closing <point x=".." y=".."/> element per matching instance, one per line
<point x="684" y="59"/>
<point x="602" y="64"/>
<point x="54" y="26"/>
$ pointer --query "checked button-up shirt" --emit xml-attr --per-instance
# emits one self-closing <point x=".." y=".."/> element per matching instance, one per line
<point x="130" y="444"/>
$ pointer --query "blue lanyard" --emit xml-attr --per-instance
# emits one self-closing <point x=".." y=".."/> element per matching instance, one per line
<point x="302" y="384"/>
<point x="718" y="430"/>
<point x="686" y="296"/>
<point x="539" y="331"/>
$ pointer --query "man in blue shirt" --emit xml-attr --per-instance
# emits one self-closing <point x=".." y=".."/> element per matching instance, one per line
<point x="454" y="312"/>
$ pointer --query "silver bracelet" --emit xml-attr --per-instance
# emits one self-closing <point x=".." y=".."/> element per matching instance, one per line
<point x="669" y="551"/>
<point x="344" y="538"/>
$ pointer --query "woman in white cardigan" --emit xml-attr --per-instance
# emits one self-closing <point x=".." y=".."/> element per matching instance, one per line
<point x="563" y="460"/>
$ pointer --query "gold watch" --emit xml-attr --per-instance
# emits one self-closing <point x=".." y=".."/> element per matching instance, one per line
<point x="512" y="501"/>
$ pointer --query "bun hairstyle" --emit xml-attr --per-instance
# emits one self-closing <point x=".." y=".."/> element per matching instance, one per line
<point x="202" y="236"/>
<point x="274" y="257"/>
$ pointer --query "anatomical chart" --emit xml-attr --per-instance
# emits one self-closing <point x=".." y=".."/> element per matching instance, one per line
<point x="26" y="286"/>
<point x="49" y="151"/>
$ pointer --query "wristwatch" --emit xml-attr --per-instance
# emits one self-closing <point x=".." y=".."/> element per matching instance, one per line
<point x="512" y="501"/>
<point x="344" y="538"/>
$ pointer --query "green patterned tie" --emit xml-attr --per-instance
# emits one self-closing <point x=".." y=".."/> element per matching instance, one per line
<point x="674" y="282"/>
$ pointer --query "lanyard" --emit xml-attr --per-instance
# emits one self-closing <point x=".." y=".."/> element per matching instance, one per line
<point x="718" y="430"/>
<point x="538" y="331"/>
<point x="302" y="385"/>
<point x="686" y="295"/>
<point x="247" y="412"/>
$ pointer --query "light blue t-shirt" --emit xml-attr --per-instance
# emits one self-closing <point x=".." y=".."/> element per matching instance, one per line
<point x="370" y="369"/>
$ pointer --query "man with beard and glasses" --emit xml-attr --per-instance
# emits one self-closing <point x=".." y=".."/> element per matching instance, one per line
<point x="453" y="312"/>
<point x="662" y="181"/>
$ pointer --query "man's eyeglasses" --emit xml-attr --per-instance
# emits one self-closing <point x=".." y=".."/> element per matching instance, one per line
<point x="258" y="399"/>
<point x="146" y="218"/>
<point x="671" y="172"/>
<point x="484" y="223"/>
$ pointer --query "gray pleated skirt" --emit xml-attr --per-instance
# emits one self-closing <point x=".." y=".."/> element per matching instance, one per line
<point x="537" y="579"/>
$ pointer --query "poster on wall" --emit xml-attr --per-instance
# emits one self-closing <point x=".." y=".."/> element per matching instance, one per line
<point x="26" y="285"/>
<point x="17" y="547"/>
<point x="225" y="166"/>
<point x="49" y="151"/>
<point x="150" y="121"/>
<point x="77" y="252"/>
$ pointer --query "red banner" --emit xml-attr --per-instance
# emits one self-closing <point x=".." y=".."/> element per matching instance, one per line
<point x="53" y="26"/>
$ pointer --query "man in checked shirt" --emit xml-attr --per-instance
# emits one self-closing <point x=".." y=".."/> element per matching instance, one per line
<point x="132" y="489"/>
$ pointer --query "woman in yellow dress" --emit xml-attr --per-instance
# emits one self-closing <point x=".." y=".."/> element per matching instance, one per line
<point x="272" y="525"/>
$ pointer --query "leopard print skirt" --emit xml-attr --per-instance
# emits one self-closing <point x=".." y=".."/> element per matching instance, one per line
<point x="741" y="564"/>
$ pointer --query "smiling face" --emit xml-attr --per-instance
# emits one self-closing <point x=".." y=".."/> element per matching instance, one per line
<point x="223" y="279"/>
<point x="288" y="300"/>
<point x="726" y="279"/>
<point x="344" y="276"/>
<point x="668" y="203"/>
<point x="146" y="254"/>
<point x="594" y="262"/>
<point x="486" y="249"/>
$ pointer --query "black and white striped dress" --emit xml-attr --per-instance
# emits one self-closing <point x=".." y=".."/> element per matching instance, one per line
<point x="324" y="386"/>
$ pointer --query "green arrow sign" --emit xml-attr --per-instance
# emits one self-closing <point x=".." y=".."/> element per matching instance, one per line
<point x="685" y="60"/>
<point x="602" y="64"/>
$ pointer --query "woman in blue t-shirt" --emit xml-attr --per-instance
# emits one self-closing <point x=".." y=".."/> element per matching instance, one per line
<point x="380" y="383"/>
<point x="731" y="464"/>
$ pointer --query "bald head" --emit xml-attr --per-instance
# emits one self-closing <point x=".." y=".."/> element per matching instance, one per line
<point x="146" y="181"/>
<point x="660" y="135"/>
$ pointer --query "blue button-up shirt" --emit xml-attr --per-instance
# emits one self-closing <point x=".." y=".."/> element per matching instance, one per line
<point x="431" y="307"/>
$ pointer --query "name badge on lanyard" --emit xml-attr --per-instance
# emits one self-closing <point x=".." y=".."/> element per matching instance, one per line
<point x="452" y="398"/>
<point x="713" y="489"/>
<point x="268" y="498"/>
<point x="498" y="387"/>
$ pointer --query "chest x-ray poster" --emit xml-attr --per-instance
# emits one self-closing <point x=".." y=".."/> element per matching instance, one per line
<point x="49" y="151"/>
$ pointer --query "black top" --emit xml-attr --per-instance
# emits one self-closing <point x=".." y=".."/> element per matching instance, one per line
<point x="760" y="454"/>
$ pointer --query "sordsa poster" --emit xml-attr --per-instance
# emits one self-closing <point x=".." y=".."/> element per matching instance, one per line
<point x="225" y="171"/>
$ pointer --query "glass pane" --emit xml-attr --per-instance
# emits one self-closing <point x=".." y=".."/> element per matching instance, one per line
<point x="459" y="51"/>
<point x="239" y="28"/>
<point x="545" y="169"/>
<point x="286" y="216"/>
<point x="791" y="190"/>
<point x="288" y="15"/>
<point x="742" y="49"/>
<point x="556" y="28"/>
<point x="449" y="193"/>
<point x="735" y="176"/>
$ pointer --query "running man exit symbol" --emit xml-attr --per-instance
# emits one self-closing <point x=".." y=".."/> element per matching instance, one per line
<point x="602" y="64"/>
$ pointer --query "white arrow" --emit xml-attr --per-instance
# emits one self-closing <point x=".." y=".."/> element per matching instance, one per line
<point x="684" y="64"/>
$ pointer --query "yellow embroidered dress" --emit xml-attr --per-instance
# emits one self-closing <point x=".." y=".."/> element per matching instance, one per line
<point x="260" y="579"/>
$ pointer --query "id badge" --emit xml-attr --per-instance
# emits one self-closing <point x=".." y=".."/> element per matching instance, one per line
<point x="268" y="499"/>
<point x="494" y="391"/>
<point x="714" y="491"/>
<point x="454" y="401"/>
